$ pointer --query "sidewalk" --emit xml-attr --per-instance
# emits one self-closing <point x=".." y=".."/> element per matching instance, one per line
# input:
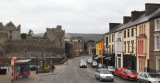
<point x="8" y="77"/>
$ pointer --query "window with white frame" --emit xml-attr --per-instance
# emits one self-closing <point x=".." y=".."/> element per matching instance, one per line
<point x="158" y="64"/>
<point x="157" y="24"/>
<point x="156" y="42"/>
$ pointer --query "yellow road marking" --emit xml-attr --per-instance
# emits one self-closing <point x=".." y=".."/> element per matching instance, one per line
<point x="61" y="72"/>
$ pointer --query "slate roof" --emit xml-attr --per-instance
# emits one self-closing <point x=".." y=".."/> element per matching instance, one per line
<point x="139" y="20"/>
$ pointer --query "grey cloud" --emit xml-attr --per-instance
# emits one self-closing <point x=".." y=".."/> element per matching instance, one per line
<point x="81" y="16"/>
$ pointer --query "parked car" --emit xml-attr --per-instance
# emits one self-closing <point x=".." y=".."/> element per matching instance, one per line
<point x="100" y="65"/>
<point x="148" y="78"/>
<point x="32" y="67"/>
<point x="104" y="74"/>
<point x="94" y="64"/>
<point x="117" y="71"/>
<point x="89" y="61"/>
<point x="111" y="69"/>
<point x="83" y="64"/>
<point x="129" y="74"/>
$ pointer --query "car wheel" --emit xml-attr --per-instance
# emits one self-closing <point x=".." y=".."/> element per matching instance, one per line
<point x="112" y="80"/>
<point x="149" y="82"/>
<point x="120" y="76"/>
<point x="128" y="78"/>
<point x="100" y="79"/>
<point x="96" y="77"/>
<point x="139" y="81"/>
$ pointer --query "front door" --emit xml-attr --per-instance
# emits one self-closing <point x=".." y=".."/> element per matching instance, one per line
<point x="119" y="62"/>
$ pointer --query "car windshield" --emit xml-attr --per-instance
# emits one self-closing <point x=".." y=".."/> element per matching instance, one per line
<point x="110" y="67"/>
<point x="154" y="75"/>
<point x="94" y="62"/>
<point x="105" y="72"/>
<point x="132" y="72"/>
<point x="100" y="64"/>
<point x="83" y="62"/>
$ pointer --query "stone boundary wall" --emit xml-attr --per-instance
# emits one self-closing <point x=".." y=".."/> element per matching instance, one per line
<point x="51" y="48"/>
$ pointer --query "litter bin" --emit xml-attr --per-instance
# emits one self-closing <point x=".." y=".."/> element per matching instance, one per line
<point x="3" y="71"/>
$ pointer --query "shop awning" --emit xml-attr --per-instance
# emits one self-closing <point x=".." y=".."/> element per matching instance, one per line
<point x="107" y="58"/>
<point x="97" y="57"/>
<point x="23" y="61"/>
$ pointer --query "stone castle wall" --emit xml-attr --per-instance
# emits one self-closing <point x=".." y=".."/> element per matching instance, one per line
<point x="34" y="47"/>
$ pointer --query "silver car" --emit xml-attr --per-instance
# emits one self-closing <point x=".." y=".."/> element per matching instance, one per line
<point x="104" y="74"/>
<point x="148" y="78"/>
<point x="111" y="69"/>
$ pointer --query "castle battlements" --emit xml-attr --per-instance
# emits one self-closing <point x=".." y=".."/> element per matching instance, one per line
<point x="9" y="27"/>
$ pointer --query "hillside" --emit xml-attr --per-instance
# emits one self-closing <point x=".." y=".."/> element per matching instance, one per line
<point x="87" y="37"/>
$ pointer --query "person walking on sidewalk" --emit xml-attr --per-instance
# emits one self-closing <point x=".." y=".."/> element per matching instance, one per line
<point x="52" y="68"/>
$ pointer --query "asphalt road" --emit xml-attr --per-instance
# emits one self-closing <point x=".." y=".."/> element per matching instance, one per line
<point x="73" y="74"/>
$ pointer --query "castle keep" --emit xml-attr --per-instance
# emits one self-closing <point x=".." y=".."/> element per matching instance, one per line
<point x="49" y="46"/>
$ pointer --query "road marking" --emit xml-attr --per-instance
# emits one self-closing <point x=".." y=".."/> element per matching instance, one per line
<point x="61" y="72"/>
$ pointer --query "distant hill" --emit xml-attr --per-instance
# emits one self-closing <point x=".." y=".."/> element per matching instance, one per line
<point x="85" y="36"/>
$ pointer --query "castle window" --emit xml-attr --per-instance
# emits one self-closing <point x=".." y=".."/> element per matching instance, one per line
<point x="10" y="32"/>
<point x="10" y="37"/>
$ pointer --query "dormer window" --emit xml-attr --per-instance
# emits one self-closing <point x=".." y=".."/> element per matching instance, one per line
<point x="157" y="24"/>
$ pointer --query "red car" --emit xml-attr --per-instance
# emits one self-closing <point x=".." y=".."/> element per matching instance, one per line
<point x="128" y="74"/>
<point x="118" y="71"/>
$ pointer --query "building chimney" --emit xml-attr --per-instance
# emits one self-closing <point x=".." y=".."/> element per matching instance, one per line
<point x="126" y="19"/>
<point x="112" y="25"/>
<point x="150" y="8"/>
<point x="136" y="14"/>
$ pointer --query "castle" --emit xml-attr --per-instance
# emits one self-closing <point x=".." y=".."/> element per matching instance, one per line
<point x="11" y="43"/>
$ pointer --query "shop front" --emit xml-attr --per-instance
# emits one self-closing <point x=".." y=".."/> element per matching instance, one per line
<point x="109" y="59"/>
<point x="129" y="61"/>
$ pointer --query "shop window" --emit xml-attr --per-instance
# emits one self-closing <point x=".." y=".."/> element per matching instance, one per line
<point x="141" y="65"/>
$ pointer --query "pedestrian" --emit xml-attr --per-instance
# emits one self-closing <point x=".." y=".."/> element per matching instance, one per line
<point x="52" y="68"/>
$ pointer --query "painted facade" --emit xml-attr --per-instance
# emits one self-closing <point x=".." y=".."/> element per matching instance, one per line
<point x="118" y="49"/>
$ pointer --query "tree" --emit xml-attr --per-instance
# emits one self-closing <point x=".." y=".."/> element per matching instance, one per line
<point x="23" y="35"/>
<point x="30" y="32"/>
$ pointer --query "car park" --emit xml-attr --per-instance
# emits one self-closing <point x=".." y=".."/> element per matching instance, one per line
<point x="104" y="74"/>
<point x="129" y="74"/>
<point x="117" y="71"/>
<point x="111" y="69"/>
<point x="145" y="77"/>
<point x="94" y="64"/>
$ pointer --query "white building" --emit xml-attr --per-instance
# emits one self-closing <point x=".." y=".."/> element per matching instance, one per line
<point x="118" y="49"/>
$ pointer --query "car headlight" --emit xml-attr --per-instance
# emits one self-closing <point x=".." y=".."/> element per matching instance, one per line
<point x="112" y="77"/>
<point x="132" y="76"/>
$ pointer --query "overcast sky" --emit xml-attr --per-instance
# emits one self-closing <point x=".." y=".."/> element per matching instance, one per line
<point x="75" y="16"/>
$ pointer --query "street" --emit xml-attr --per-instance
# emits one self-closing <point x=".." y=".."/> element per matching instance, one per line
<point x="73" y="74"/>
